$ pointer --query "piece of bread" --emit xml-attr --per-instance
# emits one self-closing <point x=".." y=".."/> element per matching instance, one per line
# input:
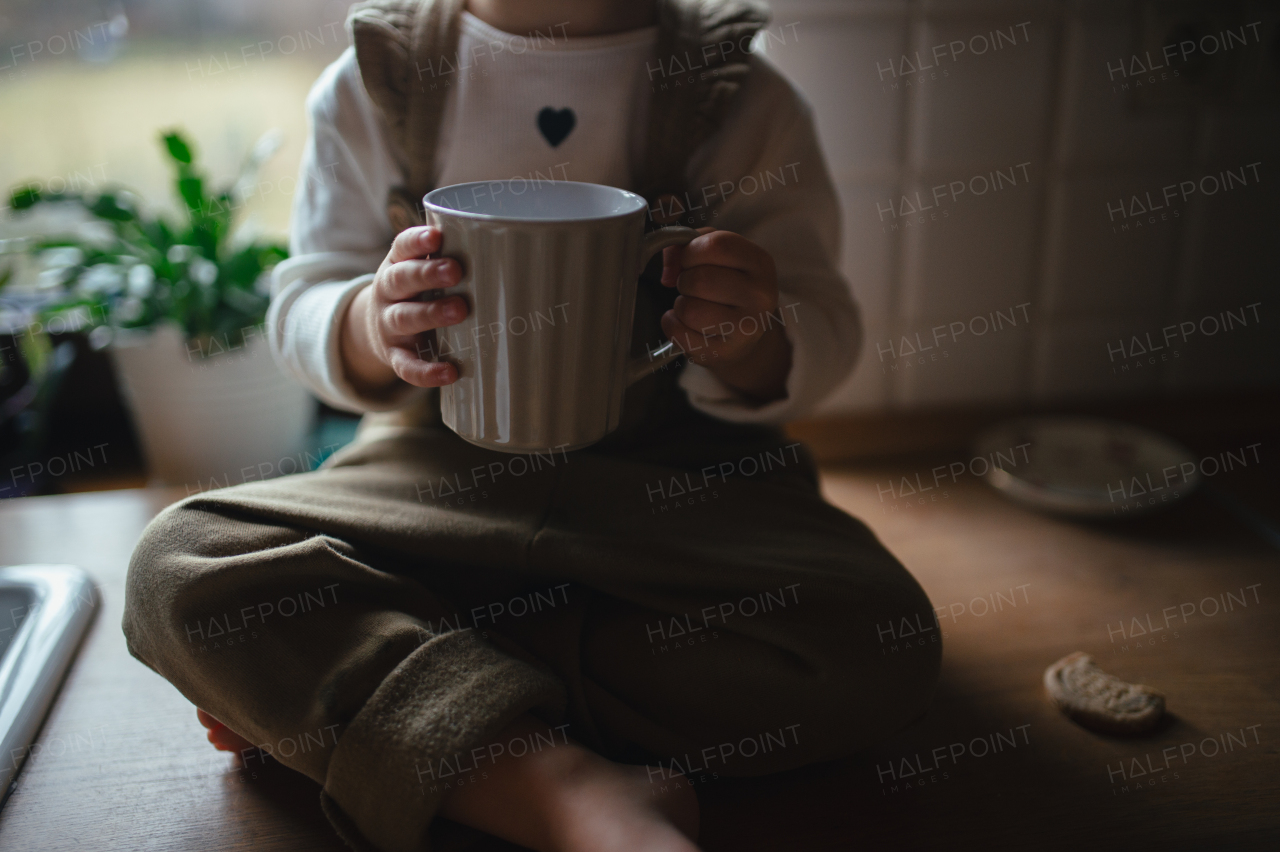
<point x="1099" y="701"/>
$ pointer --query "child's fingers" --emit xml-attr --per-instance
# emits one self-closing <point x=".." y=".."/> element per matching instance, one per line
<point x="424" y="374"/>
<point x="725" y="248"/>
<point x="414" y="243"/>
<point x="410" y="278"/>
<point x="720" y="284"/>
<point x="671" y="261"/>
<point x="711" y="319"/>
<point x="699" y="348"/>
<point x="403" y="319"/>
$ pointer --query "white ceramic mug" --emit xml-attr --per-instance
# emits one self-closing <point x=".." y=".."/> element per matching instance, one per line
<point x="549" y="269"/>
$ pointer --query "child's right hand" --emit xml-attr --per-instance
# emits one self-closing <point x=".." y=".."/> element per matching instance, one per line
<point x="379" y="341"/>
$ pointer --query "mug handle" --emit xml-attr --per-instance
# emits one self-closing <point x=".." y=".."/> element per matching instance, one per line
<point x="654" y="242"/>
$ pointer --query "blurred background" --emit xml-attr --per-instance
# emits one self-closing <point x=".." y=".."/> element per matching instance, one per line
<point x="86" y="91"/>
<point x="1045" y="206"/>
<point x="1094" y="108"/>
<point x="86" y="87"/>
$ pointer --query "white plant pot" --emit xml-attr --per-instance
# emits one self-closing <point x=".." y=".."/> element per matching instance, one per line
<point x="211" y="421"/>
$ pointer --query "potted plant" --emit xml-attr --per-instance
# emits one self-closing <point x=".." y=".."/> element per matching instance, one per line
<point x="181" y="309"/>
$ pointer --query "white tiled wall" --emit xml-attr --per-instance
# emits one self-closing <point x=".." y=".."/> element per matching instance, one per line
<point x="1053" y="241"/>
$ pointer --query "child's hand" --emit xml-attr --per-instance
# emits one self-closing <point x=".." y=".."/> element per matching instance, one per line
<point x="379" y="335"/>
<point x="725" y="317"/>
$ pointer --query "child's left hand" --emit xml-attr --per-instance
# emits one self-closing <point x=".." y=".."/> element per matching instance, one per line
<point x="726" y="316"/>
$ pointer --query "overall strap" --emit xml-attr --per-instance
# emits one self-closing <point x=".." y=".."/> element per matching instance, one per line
<point x="703" y="59"/>
<point x="402" y="46"/>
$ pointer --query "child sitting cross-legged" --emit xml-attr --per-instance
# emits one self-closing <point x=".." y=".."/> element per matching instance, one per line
<point x="562" y="658"/>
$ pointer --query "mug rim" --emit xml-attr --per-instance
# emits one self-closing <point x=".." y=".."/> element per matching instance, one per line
<point x="428" y="204"/>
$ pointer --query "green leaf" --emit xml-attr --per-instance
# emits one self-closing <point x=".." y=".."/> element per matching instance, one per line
<point x="207" y="236"/>
<point x="192" y="191"/>
<point x="158" y="235"/>
<point x="270" y="255"/>
<point x="227" y="306"/>
<point x="24" y="197"/>
<point x="107" y="206"/>
<point x="179" y="150"/>
<point x="223" y="207"/>
<point x="218" y="207"/>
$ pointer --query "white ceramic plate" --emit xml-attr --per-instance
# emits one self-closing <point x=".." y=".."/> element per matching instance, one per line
<point x="1083" y="467"/>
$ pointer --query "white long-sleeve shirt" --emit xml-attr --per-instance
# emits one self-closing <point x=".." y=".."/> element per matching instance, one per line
<point x="762" y="170"/>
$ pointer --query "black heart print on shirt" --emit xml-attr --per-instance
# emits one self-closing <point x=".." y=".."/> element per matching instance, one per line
<point x="556" y="124"/>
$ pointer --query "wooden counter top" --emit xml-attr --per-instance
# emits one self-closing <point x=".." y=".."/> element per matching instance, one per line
<point x="123" y="763"/>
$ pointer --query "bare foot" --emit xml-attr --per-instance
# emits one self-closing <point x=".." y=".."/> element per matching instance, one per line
<point x="566" y="799"/>
<point x="570" y="799"/>
<point x="222" y="737"/>
<point x="673" y="795"/>
<point x="613" y="807"/>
